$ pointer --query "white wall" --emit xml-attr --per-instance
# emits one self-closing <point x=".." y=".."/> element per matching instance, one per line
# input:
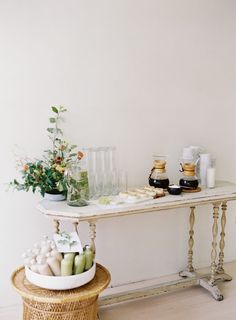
<point x="147" y="76"/>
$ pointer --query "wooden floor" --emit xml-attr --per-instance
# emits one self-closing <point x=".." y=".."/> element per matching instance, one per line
<point x="187" y="304"/>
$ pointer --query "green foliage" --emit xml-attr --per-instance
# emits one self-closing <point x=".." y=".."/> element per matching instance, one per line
<point x="78" y="190"/>
<point x="47" y="175"/>
<point x="54" y="109"/>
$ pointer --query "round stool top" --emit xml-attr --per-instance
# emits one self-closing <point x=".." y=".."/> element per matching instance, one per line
<point x="91" y="289"/>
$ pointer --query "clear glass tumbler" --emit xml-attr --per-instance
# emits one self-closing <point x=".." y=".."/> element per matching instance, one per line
<point x="114" y="182"/>
<point x="122" y="181"/>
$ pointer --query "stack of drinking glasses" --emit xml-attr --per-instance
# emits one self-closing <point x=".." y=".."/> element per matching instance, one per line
<point x="104" y="177"/>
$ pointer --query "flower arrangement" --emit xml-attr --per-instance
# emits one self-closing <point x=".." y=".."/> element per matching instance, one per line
<point x="46" y="175"/>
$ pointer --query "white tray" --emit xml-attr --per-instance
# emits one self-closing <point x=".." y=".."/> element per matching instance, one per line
<point x="117" y="201"/>
<point x="60" y="283"/>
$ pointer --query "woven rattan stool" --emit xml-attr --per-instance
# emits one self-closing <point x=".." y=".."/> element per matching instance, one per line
<point x="76" y="304"/>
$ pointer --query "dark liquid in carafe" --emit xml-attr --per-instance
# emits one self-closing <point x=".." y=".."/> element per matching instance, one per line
<point x="188" y="184"/>
<point x="159" y="183"/>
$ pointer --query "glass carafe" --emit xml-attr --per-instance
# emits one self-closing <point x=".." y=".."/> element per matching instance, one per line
<point x="189" y="181"/>
<point x="102" y="170"/>
<point x="77" y="184"/>
<point x="158" y="177"/>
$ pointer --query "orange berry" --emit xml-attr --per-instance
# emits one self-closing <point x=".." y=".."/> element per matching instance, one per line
<point x="63" y="147"/>
<point x="80" y="155"/>
<point x="26" y="167"/>
<point x="58" y="160"/>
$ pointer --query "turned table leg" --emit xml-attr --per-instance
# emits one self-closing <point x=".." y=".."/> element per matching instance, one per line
<point x="191" y="240"/>
<point x="56" y="226"/>
<point x="210" y="284"/>
<point x="92" y="234"/>
<point x="214" y="243"/>
<point x="189" y="272"/>
<point x="76" y="224"/>
<point x="220" y="267"/>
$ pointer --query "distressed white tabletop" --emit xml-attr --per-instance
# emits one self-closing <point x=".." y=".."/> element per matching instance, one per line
<point x="224" y="191"/>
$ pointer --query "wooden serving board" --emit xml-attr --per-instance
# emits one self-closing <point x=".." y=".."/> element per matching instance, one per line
<point x="192" y="190"/>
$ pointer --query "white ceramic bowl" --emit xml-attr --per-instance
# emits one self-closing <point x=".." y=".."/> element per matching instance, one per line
<point x="54" y="197"/>
<point x="60" y="283"/>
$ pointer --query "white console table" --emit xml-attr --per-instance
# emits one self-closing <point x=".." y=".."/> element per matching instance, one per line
<point x="217" y="197"/>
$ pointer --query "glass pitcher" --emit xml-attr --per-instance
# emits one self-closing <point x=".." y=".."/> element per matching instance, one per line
<point x="158" y="177"/>
<point x="189" y="181"/>
<point x="77" y="184"/>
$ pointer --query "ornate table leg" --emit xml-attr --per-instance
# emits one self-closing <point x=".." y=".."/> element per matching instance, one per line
<point x="92" y="234"/>
<point x="76" y="226"/>
<point x="210" y="285"/>
<point x="220" y="267"/>
<point x="214" y="244"/>
<point x="56" y="226"/>
<point x="189" y="272"/>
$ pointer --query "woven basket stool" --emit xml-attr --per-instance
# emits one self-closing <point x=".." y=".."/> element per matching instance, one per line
<point x="75" y="304"/>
